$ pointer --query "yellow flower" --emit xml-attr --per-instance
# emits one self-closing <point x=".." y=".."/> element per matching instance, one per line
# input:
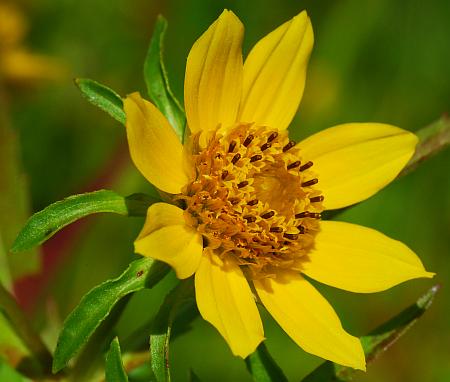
<point x="247" y="200"/>
<point x="17" y="64"/>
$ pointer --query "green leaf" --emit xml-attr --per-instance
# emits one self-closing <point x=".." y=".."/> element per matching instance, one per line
<point x="378" y="341"/>
<point x="262" y="366"/>
<point x="44" y="224"/>
<point x="103" y="97"/>
<point x="8" y="374"/>
<point x="162" y="328"/>
<point x="157" y="81"/>
<point x="96" y="305"/>
<point x="114" y="370"/>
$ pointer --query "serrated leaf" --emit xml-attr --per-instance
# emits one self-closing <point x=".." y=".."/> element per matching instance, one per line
<point x="98" y="303"/>
<point x="263" y="367"/>
<point x="103" y="97"/>
<point x="114" y="370"/>
<point x="162" y="328"/>
<point x="158" y="83"/>
<point x="377" y="342"/>
<point x="44" y="224"/>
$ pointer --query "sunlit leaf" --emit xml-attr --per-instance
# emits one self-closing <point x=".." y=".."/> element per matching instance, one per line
<point x="377" y="342"/>
<point x="98" y="303"/>
<point x="262" y="366"/>
<point x="157" y="81"/>
<point x="44" y="224"/>
<point x="114" y="371"/>
<point x="162" y="328"/>
<point x="102" y="97"/>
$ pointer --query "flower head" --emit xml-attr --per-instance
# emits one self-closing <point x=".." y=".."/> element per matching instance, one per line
<point x="247" y="201"/>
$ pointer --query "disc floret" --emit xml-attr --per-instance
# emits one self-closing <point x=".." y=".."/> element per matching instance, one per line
<point x="254" y="197"/>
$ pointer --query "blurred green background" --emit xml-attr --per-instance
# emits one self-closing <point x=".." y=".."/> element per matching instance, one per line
<point x="374" y="60"/>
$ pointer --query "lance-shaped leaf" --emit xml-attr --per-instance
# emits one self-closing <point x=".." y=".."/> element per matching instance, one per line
<point x="44" y="224"/>
<point x="103" y="97"/>
<point x="158" y="83"/>
<point x="377" y="342"/>
<point x="162" y="328"/>
<point x="114" y="371"/>
<point x="263" y="367"/>
<point x="98" y="303"/>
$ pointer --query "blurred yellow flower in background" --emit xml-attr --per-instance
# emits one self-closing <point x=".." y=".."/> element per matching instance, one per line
<point x="246" y="218"/>
<point x="17" y="64"/>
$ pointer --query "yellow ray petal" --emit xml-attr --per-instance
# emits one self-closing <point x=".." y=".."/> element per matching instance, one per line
<point x="274" y="74"/>
<point x="154" y="146"/>
<point x="356" y="160"/>
<point x="309" y="319"/>
<point x="360" y="259"/>
<point x="225" y="299"/>
<point x="165" y="237"/>
<point x="160" y="215"/>
<point x="213" y="82"/>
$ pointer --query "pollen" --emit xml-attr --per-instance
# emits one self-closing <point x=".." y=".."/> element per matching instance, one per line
<point x="254" y="197"/>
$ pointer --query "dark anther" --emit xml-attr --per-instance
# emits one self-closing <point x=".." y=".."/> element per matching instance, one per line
<point x="293" y="165"/>
<point x="306" y="166"/>
<point x="317" y="199"/>
<point x="265" y="146"/>
<point x="232" y="146"/>
<point x="276" y="229"/>
<point x="289" y="146"/>
<point x="254" y="158"/>
<point x="310" y="182"/>
<point x="224" y="174"/>
<point x="248" y="140"/>
<point x="242" y="184"/>
<point x="272" y="136"/>
<point x="306" y="214"/>
<point x="301" y="229"/>
<point x="253" y="202"/>
<point x="291" y="236"/>
<point x="234" y="201"/>
<point x="268" y="215"/>
<point x="250" y="219"/>
<point x="236" y="158"/>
